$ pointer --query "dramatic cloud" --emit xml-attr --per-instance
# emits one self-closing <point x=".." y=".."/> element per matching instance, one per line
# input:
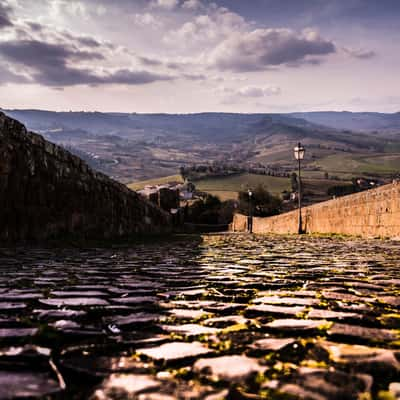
<point x="4" y="18"/>
<point x="264" y="48"/>
<point x="54" y="65"/>
<point x="359" y="53"/>
<point x="254" y="48"/>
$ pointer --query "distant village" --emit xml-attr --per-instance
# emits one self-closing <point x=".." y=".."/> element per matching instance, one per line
<point x="175" y="197"/>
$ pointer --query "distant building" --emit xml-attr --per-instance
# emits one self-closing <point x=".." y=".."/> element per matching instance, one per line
<point x="165" y="196"/>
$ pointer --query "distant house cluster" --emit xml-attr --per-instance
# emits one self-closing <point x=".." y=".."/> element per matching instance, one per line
<point x="168" y="196"/>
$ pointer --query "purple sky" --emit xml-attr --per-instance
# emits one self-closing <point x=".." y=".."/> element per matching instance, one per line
<point x="197" y="55"/>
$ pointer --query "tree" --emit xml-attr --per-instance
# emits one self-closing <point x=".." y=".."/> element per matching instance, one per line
<point x="191" y="187"/>
<point x="342" y="190"/>
<point x="210" y="210"/>
<point x="263" y="203"/>
<point x="204" y="211"/>
<point x="293" y="182"/>
<point x="285" y="195"/>
<point x="183" y="173"/>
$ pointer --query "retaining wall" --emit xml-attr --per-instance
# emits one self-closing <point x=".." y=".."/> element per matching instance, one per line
<point x="372" y="213"/>
<point x="46" y="192"/>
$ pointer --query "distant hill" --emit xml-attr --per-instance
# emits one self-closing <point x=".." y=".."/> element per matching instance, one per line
<point x="209" y="125"/>
<point x="361" y="121"/>
<point x="130" y="146"/>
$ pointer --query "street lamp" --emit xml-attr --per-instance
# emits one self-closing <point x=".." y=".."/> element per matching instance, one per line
<point x="250" y="218"/>
<point x="299" y="151"/>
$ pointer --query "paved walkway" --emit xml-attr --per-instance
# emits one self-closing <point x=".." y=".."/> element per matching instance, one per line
<point x="231" y="316"/>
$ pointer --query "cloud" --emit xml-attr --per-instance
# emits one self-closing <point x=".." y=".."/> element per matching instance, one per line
<point x="74" y="8"/>
<point x="261" y="49"/>
<point x="4" y="15"/>
<point x="9" y="76"/>
<point x="129" y="77"/>
<point x="359" y="53"/>
<point x="236" y="95"/>
<point x="192" y="5"/>
<point x="207" y="29"/>
<point x="88" y="41"/>
<point x="175" y="64"/>
<point x="165" y="4"/>
<point x="31" y="31"/>
<point x="194" y="77"/>
<point x="242" y="95"/>
<point x="147" y="19"/>
<point x="55" y="65"/>
<point x="149" y="61"/>
<point x="34" y="52"/>
<point x="257" y="91"/>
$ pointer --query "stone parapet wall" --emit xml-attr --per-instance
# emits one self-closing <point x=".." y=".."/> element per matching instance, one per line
<point x="46" y="192"/>
<point x="373" y="213"/>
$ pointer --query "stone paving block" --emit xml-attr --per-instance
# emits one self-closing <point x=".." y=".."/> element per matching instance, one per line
<point x="190" y="330"/>
<point x="265" y="309"/>
<point x="363" y="333"/>
<point x="125" y="386"/>
<point x="175" y="351"/>
<point x="296" y="324"/>
<point x="227" y="368"/>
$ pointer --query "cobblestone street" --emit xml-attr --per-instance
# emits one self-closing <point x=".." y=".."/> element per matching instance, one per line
<point x="211" y="317"/>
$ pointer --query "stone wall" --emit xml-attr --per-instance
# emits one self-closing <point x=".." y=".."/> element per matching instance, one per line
<point x="373" y="213"/>
<point x="46" y="192"/>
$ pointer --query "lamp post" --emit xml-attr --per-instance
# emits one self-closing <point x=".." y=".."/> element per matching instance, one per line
<point x="299" y="151"/>
<point x="250" y="218"/>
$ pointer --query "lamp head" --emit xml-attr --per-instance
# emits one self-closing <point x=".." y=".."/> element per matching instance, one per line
<point x="299" y="151"/>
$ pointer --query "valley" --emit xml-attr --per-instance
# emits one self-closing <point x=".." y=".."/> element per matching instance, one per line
<point x="139" y="147"/>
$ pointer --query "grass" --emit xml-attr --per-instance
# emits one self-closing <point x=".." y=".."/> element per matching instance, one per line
<point x="228" y="187"/>
<point x="155" y="181"/>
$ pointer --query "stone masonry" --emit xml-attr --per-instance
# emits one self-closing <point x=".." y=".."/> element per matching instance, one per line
<point x="46" y="192"/>
<point x="373" y="213"/>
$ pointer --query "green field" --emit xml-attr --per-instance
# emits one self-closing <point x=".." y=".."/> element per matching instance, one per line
<point x="360" y="164"/>
<point x="156" y="181"/>
<point x="228" y="187"/>
<point x="225" y="188"/>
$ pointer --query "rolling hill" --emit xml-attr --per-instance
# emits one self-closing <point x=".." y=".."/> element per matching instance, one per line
<point x="132" y="147"/>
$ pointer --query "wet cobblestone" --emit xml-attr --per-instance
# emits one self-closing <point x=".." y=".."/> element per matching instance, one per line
<point x="221" y="316"/>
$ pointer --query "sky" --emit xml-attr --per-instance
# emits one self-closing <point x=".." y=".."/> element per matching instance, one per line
<point x="185" y="56"/>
